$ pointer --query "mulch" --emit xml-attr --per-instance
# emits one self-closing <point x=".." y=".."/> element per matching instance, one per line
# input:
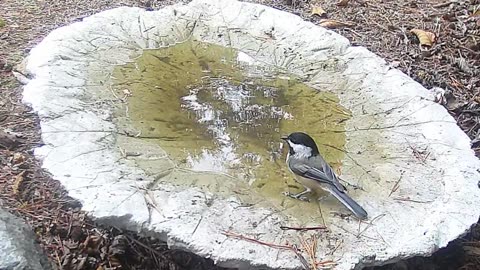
<point x="449" y="66"/>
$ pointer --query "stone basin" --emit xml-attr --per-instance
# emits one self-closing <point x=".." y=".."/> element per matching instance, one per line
<point x="168" y="122"/>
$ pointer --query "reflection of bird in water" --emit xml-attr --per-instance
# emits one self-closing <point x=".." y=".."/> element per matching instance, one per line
<point x="314" y="173"/>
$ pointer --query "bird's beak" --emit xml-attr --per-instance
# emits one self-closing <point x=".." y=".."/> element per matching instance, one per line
<point x="284" y="137"/>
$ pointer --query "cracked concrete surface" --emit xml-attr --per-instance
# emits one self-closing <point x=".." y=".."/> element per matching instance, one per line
<point x="415" y="166"/>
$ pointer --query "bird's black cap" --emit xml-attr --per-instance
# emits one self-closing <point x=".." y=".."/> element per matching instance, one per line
<point x="304" y="139"/>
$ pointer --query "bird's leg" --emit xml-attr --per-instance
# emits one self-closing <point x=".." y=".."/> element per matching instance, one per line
<point x="299" y="196"/>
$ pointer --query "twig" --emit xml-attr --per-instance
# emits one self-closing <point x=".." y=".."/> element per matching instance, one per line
<point x="411" y="200"/>
<point x="369" y="224"/>
<point x="302" y="259"/>
<point x="310" y="248"/>
<point x="420" y="155"/>
<point x="293" y="248"/>
<point x="336" y="247"/>
<point x="303" y="228"/>
<point x="396" y="185"/>
<point x="150" y="249"/>
<point x="324" y="263"/>
<point x="241" y="237"/>
<point x="59" y="262"/>
<point x="444" y="4"/>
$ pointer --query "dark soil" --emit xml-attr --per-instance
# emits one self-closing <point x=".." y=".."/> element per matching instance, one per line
<point x="73" y="241"/>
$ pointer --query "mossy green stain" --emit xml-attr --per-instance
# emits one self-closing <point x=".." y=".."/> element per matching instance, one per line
<point x="159" y="79"/>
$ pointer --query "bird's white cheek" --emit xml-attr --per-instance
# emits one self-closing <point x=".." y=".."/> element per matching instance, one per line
<point x="301" y="150"/>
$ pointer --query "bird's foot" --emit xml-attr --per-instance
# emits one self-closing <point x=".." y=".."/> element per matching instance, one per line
<point x="298" y="196"/>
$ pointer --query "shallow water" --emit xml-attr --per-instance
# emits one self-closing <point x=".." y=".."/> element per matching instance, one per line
<point x="212" y="111"/>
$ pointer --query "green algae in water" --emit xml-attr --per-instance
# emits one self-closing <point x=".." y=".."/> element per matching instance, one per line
<point x="213" y="113"/>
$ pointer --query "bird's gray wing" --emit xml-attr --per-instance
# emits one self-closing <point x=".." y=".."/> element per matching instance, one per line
<point x="332" y="176"/>
<point x="324" y="174"/>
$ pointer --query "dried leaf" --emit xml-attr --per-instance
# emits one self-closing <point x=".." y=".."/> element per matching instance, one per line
<point x="18" y="158"/>
<point x="426" y="38"/>
<point x="477" y="99"/>
<point x="318" y="10"/>
<point x="17" y="183"/>
<point x="70" y="244"/>
<point x="92" y="243"/>
<point x="463" y="65"/>
<point x="119" y="245"/>
<point x="328" y="23"/>
<point x="476" y="13"/>
<point x="343" y="3"/>
<point x="117" y="250"/>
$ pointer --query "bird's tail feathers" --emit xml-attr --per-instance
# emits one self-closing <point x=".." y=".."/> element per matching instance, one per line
<point x="352" y="205"/>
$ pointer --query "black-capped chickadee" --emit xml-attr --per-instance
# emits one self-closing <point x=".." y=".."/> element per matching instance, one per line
<point x="314" y="173"/>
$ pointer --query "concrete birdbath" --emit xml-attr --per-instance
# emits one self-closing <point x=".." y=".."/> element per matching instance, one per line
<point x="168" y="123"/>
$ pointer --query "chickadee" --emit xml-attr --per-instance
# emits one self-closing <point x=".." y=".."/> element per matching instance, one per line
<point x="314" y="173"/>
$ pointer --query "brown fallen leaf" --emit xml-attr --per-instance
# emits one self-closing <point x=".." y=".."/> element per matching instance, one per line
<point x="426" y="38"/>
<point x="18" y="158"/>
<point x="91" y="245"/>
<point x="17" y="183"/>
<point x="329" y="23"/>
<point x="343" y="3"/>
<point x="318" y="10"/>
<point x="477" y="99"/>
<point x="476" y="13"/>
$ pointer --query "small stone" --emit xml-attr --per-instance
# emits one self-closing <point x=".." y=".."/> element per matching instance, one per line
<point x="17" y="245"/>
